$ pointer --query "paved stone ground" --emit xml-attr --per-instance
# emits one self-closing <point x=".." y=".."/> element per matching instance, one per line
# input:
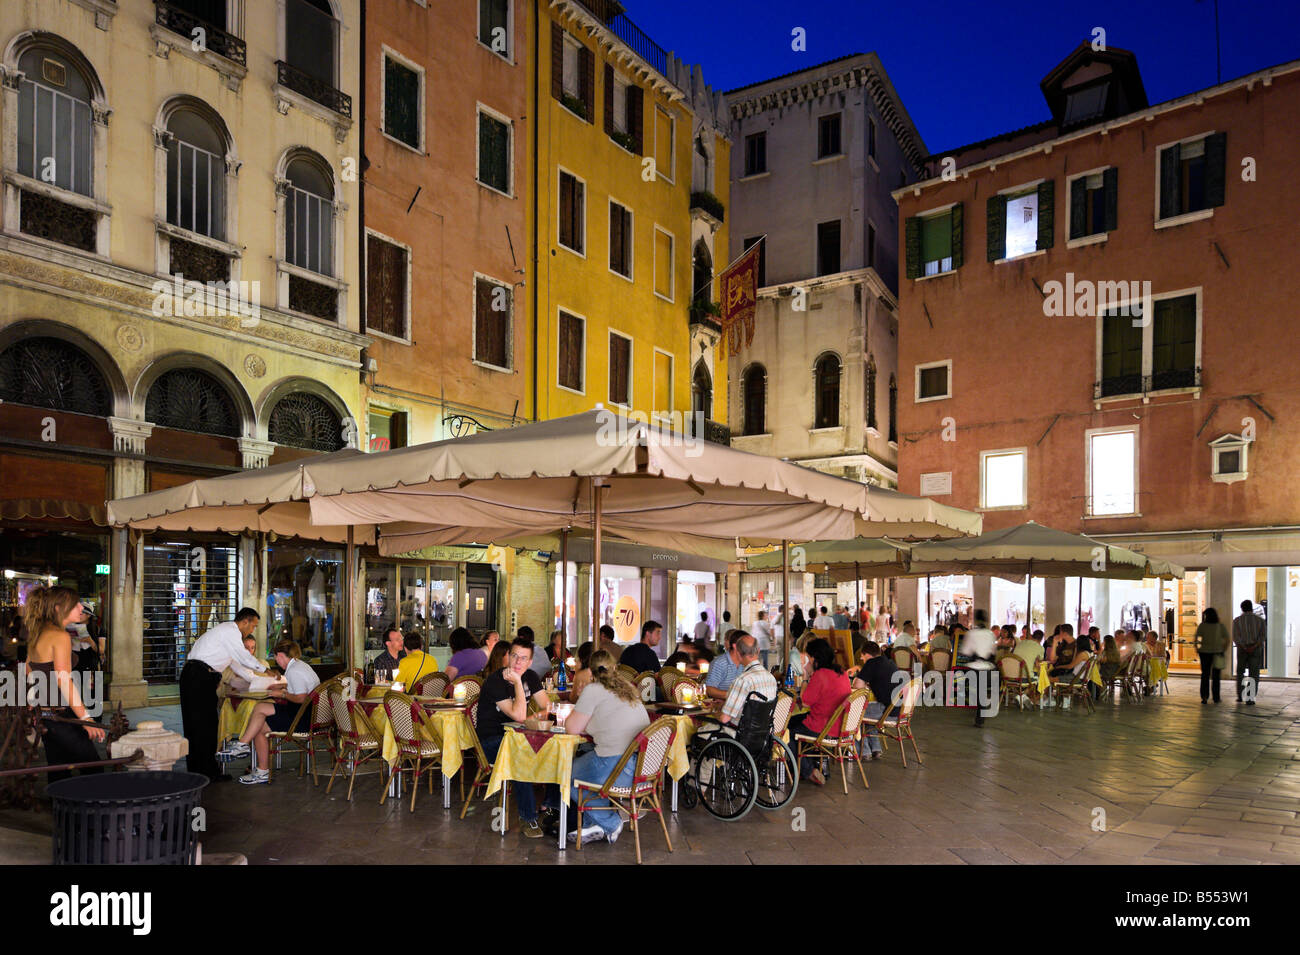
<point x="1178" y="782"/>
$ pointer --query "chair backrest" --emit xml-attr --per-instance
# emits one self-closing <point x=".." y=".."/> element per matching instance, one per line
<point x="755" y="723"/>
<point x="339" y="707"/>
<point x="433" y="684"/>
<point x="781" y="715"/>
<point x="940" y="660"/>
<point x="402" y="716"/>
<point x="322" y="710"/>
<point x="854" y="706"/>
<point x="472" y="684"/>
<point x="653" y="745"/>
<point x="668" y="678"/>
<point x="911" y="696"/>
<point x="1013" y="667"/>
<point x="645" y="686"/>
<point x="626" y="672"/>
<point x="685" y="683"/>
<point x="903" y="658"/>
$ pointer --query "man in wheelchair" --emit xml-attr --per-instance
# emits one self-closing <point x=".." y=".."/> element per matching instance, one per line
<point x="753" y="678"/>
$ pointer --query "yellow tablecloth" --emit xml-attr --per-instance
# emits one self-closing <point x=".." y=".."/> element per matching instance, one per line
<point x="449" y="729"/>
<point x="516" y="761"/>
<point x="232" y="718"/>
<point x="679" y="764"/>
<point x="1157" y="670"/>
<point x="1044" y="681"/>
<point x="1094" y="674"/>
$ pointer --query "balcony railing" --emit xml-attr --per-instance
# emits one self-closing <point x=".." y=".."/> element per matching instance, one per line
<point x="714" y="432"/>
<point x="1137" y="385"/>
<point x="214" y="38"/>
<point x="312" y="88"/>
<point x="610" y="13"/>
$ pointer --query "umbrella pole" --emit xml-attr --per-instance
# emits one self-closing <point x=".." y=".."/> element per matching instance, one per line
<point x="785" y="605"/>
<point x="857" y="594"/>
<point x="349" y="596"/>
<point x="564" y="590"/>
<point x="1078" y="611"/>
<point x="927" y="607"/>
<point x="1029" y="596"/>
<point x="595" y="569"/>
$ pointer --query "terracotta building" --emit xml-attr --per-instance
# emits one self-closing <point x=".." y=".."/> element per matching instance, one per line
<point x="1089" y="322"/>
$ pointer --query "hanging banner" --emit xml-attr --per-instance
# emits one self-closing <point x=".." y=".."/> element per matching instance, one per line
<point x="739" y="285"/>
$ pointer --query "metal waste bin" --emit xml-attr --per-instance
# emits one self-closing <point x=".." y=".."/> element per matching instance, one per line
<point x="126" y="818"/>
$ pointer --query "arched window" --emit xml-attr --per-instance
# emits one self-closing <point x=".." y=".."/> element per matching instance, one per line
<point x="55" y="121"/>
<point x="309" y="215"/>
<point x="311" y="44"/>
<point x="702" y="391"/>
<point x="54" y="374"/>
<point x="702" y="273"/>
<point x="755" y="385"/>
<point x="828" y="392"/>
<point x="189" y="399"/>
<point x="196" y="174"/>
<point x="303" y="420"/>
<point x="871" y="392"/>
<point x="893" y="409"/>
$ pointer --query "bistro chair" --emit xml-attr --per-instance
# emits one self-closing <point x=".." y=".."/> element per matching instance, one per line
<point x="473" y="685"/>
<point x="414" y="752"/>
<point x="358" y="741"/>
<point x="277" y="742"/>
<point x="849" y="714"/>
<point x="650" y="749"/>
<point x="322" y="725"/>
<point x="940" y="660"/>
<point x="482" y="767"/>
<point x="905" y="658"/>
<point x="626" y="672"/>
<point x="646" y="684"/>
<point x="1015" y="679"/>
<point x="1076" y="685"/>
<point x="781" y="715"/>
<point x="432" y="684"/>
<point x="684" y="684"/>
<point x="898" y="726"/>
<point x="668" y="677"/>
<point x="1123" y="678"/>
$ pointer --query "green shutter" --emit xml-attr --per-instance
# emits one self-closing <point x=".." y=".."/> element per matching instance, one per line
<point x="1046" y="214"/>
<point x="1121" y="347"/>
<point x="956" y="233"/>
<point x="1171" y="200"/>
<point x="1110" y="183"/>
<point x="936" y="239"/>
<point x="912" y="246"/>
<point x="1174" y="335"/>
<point x="1216" y="157"/>
<point x="997" y="228"/>
<point x="1078" y="207"/>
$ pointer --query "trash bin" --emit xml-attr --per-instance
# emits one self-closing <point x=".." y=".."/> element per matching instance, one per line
<point x="125" y="818"/>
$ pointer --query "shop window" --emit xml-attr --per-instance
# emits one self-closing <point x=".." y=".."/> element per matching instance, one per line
<point x="305" y="596"/>
<point x="187" y="587"/>
<point x="381" y="601"/>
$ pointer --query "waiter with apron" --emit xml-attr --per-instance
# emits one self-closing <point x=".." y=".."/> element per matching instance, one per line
<point x="220" y="647"/>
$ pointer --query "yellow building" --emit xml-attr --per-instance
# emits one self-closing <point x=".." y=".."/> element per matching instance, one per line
<point x="628" y="147"/>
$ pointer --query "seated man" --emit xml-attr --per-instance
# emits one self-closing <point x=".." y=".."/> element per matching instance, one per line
<point x="908" y="637"/>
<point x="504" y="698"/>
<point x="724" y="669"/>
<point x="1066" y="652"/>
<point x="277" y="716"/>
<point x="1031" y="651"/>
<point x="877" y="674"/>
<point x="939" y="639"/>
<point x="642" y="657"/>
<point x="394" y="651"/>
<point x="753" y="677"/>
<point x="415" y="664"/>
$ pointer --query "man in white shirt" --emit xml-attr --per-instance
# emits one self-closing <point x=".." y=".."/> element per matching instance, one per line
<point x="908" y="637"/>
<point x="763" y="634"/>
<point x="218" y="648"/>
<point x="979" y="646"/>
<point x="702" y="629"/>
<point x="278" y="716"/>
<point x="823" y="621"/>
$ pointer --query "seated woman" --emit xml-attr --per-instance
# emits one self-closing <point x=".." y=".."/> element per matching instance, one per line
<point x="276" y="715"/>
<point x="1111" y="658"/>
<point x="611" y="711"/>
<point x="467" y="658"/>
<point x="497" y="658"/>
<point x="827" y="688"/>
<point x="1064" y="650"/>
<point x="583" y="675"/>
<point x="1155" y="646"/>
<point x="556" y="651"/>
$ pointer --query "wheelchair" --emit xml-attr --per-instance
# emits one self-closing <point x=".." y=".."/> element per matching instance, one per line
<point x="730" y="774"/>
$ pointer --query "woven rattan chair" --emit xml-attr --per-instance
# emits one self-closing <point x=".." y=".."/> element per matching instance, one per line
<point x="473" y="686"/>
<point x="646" y="684"/>
<point x="840" y="747"/>
<point x="781" y="715"/>
<point x="432" y="684"/>
<point x="685" y="683"/>
<point x="896" y="722"/>
<point x="650" y="749"/>
<point x="1015" y="679"/>
<point x="297" y="736"/>
<point x="1077" y="685"/>
<point x="940" y="660"/>
<point x="626" y="672"/>
<point x="668" y="678"/>
<point x="358" y="741"/>
<point x="905" y="658"/>
<point x="322" y="725"/>
<point x="482" y="766"/>
<point x="414" y="752"/>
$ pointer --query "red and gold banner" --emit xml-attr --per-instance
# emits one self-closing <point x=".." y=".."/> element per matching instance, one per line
<point x="739" y="285"/>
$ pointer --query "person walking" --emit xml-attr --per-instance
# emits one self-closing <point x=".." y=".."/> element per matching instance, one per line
<point x="218" y="648"/>
<point x="797" y="624"/>
<point x="979" y="647"/>
<point x="1249" y="635"/>
<point x="1211" y="643"/>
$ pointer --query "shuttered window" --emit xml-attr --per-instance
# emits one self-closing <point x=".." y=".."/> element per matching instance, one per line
<point x="386" y="267"/>
<point x="663" y="398"/>
<point x="620" y="369"/>
<point x="620" y="239"/>
<point x="494" y="153"/>
<point x="1093" y="203"/>
<point x="1173" y="345"/>
<point x="1121" y="354"/>
<point x="1192" y="175"/>
<point x="572" y="352"/>
<point x="493" y="314"/>
<point x="494" y="26"/>
<point x="402" y="102"/>
<point x="663" y="264"/>
<point x="573" y="210"/>
<point x="664" y="144"/>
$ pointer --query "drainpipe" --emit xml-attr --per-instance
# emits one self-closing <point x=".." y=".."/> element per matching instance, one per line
<point x="361" y="199"/>
<point x="537" y="32"/>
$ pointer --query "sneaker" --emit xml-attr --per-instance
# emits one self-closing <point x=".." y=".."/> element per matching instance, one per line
<point x="256" y="777"/>
<point x="590" y="834"/>
<point x="532" y="830"/>
<point x="236" y="749"/>
<point x="613" y="836"/>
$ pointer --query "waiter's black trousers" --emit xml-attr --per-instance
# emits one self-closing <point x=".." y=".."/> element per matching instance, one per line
<point x="199" y="716"/>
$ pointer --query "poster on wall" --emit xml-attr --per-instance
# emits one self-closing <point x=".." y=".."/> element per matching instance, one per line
<point x="627" y="619"/>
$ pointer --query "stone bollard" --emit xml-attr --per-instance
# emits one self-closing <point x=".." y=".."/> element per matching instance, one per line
<point x="161" y="747"/>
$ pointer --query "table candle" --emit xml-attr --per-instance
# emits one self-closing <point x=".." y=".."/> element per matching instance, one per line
<point x="688" y="695"/>
<point x="682" y="667"/>
<point x="459" y="693"/>
<point x="704" y="668"/>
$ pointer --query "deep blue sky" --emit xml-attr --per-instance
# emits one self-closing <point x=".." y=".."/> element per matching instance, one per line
<point x="967" y="70"/>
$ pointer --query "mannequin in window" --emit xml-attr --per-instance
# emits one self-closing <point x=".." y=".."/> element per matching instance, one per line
<point x="315" y="603"/>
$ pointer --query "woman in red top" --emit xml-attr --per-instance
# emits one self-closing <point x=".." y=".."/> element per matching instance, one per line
<point x="826" y="689"/>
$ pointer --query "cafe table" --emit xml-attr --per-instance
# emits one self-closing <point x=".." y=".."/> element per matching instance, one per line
<point x="446" y="724"/>
<point x="534" y="756"/>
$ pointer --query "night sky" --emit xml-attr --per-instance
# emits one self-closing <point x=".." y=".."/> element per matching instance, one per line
<point x="969" y="70"/>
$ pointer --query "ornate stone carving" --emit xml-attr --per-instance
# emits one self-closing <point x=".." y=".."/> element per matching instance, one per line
<point x="256" y="453"/>
<point x="161" y="138"/>
<point x="11" y="78"/>
<point x="100" y="113"/>
<point x="129" y="338"/>
<point x="255" y="365"/>
<point x="129" y="435"/>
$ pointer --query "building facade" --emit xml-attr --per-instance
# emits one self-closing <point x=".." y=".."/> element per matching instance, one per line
<point x="1087" y="317"/>
<point x="817" y="155"/>
<point x="180" y="272"/>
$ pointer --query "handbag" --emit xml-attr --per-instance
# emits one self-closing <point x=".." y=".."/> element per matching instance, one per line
<point x="1220" y="661"/>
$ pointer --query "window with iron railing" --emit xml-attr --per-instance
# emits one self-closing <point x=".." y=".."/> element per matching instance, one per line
<point x="55" y="133"/>
<point x="309" y="231"/>
<point x="195" y="189"/>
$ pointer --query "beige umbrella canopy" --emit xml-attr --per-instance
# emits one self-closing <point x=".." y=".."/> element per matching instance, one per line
<point x="1163" y="569"/>
<point x="1028" y="549"/>
<point x="843" y="561"/>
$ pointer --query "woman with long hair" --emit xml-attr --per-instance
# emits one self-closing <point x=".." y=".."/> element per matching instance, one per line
<point x="47" y="615"/>
<point x="467" y="657"/>
<point x="582" y="676"/>
<point x="827" y="687"/>
<point x="797" y="623"/>
<point x="498" y="658"/>
<point x="1211" y="642"/>
<point x="610" y="709"/>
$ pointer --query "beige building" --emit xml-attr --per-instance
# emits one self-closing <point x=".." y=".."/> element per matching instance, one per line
<point x="179" y="271"/>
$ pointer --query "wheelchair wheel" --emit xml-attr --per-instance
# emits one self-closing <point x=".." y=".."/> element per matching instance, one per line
<point x="726" y="778"/>
<point x="778" y="776"/>
<point x="687" y="794"/>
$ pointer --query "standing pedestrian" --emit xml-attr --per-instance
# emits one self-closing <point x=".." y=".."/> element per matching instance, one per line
<point x="213" y="651"/>
<point x="797" y="624"/>
<point x="1251" y="639"/>
<point x="763" y="634"/>
<point x="1211" y="643"/>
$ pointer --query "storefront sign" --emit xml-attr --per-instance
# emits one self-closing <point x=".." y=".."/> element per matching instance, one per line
<point x="936" y="484"/>
<point x="102" y="570"/>
<point x="627" y="619"/>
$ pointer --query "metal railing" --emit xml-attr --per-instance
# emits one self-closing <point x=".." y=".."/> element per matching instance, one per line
<point x="214" y="38"/>
<point x="1120" y="385"/>
<point x="314" y="89"/>
<point x="610" y="13"/>
<point x="714" y="432"/>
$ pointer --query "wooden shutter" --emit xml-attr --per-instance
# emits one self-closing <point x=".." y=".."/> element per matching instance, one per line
<point x="619" y="349"/>
<point x="571" y="351"/>
<point x="1046" y="214"/>
<point x="618" y="239"/>
<point x="1110" y="183"/>
<point x="490" y="325"/>
<point x="385" y="287"/>
<point x="587" y="82"/>
<point x="557" y="61"/>
<point x="609" y="100"/>
<point x="1174" y="335"/>
<point x="997" y="228"/>
<point x="636" y="117"/>
<point x="1216" y="157"/>
<point x="1121" y="347"/>
<point x="1078" y="207"/>
<point x="663" y="264"/>
<point x="958" y="233"/>
<point x="568" y="211"/>
<point x="397" y="429"/>
<point x="1170" y="182"/>
<point x="912" y="246"/>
